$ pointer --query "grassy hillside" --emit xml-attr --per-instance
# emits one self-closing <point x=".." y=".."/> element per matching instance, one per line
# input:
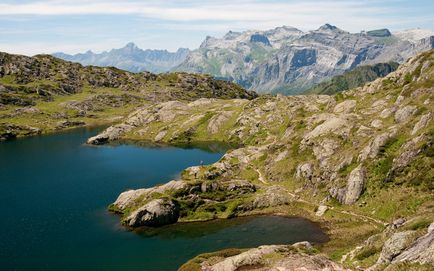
<point x="364" y="155"/>
<point x="354" y="78"/>
<point x="43" y="93"/>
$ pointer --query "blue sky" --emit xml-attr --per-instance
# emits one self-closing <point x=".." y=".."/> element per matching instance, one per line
<point x="46" y="26"/>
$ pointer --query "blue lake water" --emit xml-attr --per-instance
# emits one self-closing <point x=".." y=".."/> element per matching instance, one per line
<point x="54" y="193"/>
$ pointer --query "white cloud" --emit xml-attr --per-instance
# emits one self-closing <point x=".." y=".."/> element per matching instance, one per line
<point x="210" y="17"/>
<point x="351" y="14"/>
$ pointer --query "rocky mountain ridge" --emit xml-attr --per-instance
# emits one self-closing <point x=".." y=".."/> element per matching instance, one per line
<point x="360" y="161"/>
<point x="42" y="93"/>
<point x="287" y="60"/>
<point x="130" y="58"/>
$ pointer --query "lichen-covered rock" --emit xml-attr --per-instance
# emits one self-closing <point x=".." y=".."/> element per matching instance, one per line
<point x="305" y="171"/>
<point x="395" y="245"/>
<point x="424" y="120"/>
<point x="241" y="186"/>
<point x="110" y="134"/>
<point x="345" y="106"/>
<point x="355" y="185"/>
<point x="421" y="251"/>
<point x="273" y="196"/>
<point x="216" y="122"/>
<point x="403" y="114"/>
<point x="157" y="212"/>
<point x="337" y="125"/>
<point x="373" y="148"/>
<point x="321" y="210"/>
<point x="129" y="198"/>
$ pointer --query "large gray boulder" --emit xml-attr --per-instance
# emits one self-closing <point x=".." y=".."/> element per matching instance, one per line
<point x="110" y="134"/>
<point x="404" y="114"/>
<point x="354" y="188"/>
<point x="157" y="212"/>
<point x="355" y="185"/>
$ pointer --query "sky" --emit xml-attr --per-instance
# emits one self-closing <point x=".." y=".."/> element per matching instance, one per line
<point x="73" y="26"/>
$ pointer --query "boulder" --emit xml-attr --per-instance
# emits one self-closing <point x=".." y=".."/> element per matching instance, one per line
<point x="355" y="185"/>
<point x="160" y="136"/>
<point x="377" y="123"/>
<point x="373" y="148"/>
<point x="305" y="171"/>
<point x="345" y="106"/>
<point x="273" y="196"/>
<point x="157" y="212"/>
<point x="129" y="198"/>
<point x="321" y="210"/>
<point x="325" y="148"/>
<point x="422" y="123"/>
<point x="338" y="125"/>
<point x="241" y="186"/>
<point x="110" y="134"/>
<point x="404" y="114"/>
<point x="69" y="123"/>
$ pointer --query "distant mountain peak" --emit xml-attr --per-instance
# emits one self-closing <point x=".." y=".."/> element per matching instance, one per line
<point x="130" y="45"/>
<point x="327" y="26"/>
<point x="131" y="58"/>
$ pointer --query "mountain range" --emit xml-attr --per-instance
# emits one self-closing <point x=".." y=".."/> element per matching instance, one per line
<point x="288" y="60"/>
<point x="131" y="58"/>
<point x="281" y="60"/>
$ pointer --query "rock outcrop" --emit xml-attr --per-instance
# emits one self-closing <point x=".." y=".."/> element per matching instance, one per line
<point x="420" y="251"/>
<point x="286" y="257"/>
<point x="157" y="212"/>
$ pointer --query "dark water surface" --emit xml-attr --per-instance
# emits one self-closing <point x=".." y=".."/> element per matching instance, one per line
<point x="54" y="192"/>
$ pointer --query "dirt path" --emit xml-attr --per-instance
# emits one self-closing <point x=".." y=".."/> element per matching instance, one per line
<point x="299" y="199"/>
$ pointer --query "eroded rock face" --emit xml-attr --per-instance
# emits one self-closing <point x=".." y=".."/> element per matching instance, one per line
<point x="395" y="245"/>
<point x="157" y="212"/>
<point x="421" y="251"/>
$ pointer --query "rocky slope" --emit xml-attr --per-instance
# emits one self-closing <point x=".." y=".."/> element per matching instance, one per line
<point x="43" y="93"/>
<point x="354" y="78"/>
<point x="356" y="161"/>
<point x="130" y="58"/>
<point x="287" y="60"/>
